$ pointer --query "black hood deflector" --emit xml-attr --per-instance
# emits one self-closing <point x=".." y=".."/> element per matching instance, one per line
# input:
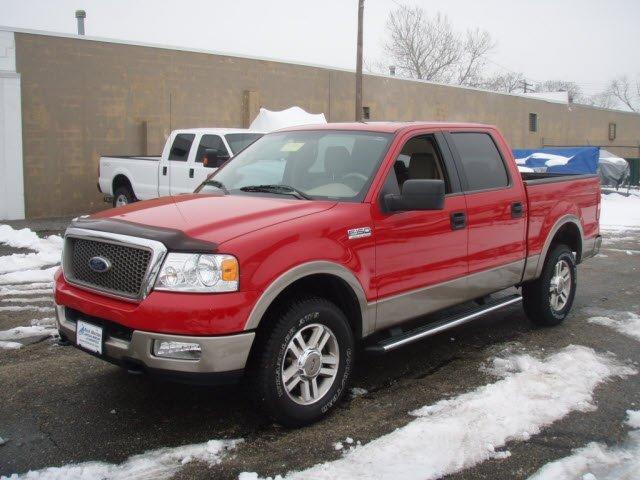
<point x="174" y="240"/>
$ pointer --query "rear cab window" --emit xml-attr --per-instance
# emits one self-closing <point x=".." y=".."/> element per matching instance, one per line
<point x="482" y="163"/>
<point x="181" y="146"/>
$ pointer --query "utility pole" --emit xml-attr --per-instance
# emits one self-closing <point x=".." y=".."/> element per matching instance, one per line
<point x="526" y="86"/>
<point x="359" y="63"/>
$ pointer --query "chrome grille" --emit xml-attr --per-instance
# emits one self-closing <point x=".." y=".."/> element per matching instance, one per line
<point x="126" y="277"/>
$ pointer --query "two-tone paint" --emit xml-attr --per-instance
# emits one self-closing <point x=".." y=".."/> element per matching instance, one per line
<point x="406" y="265"/>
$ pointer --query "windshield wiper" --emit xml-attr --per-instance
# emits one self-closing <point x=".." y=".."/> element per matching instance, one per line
<point x="217" y="184"/>
<point x="277" y="189"/>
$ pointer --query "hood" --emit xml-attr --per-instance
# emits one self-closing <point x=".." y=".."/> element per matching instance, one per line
<point x="214" y="218"/>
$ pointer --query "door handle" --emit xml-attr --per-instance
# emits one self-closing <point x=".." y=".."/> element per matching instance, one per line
<point x="517" y="210"/>
<point x="164" y="170"/>
<point x="458" y="220"/>
<point x="191" y="173"/>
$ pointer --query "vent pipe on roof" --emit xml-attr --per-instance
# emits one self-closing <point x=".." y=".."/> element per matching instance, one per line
<point x="80" y="16"/>
<point x="392" y="70"/>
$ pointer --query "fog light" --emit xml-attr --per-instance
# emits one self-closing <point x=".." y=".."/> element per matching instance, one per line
<point x="178" y="350"/>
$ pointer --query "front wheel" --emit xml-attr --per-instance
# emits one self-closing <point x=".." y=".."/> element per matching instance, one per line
<point x="548" y="299"/>
<point x="304" y="362"/>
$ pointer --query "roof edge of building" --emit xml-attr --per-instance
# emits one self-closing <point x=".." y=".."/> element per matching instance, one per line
<point x="292" y="62"/>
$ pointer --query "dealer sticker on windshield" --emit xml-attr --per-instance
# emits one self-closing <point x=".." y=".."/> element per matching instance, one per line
<point x="89" y="336"/>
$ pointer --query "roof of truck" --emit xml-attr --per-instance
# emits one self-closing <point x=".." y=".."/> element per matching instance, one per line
<point x="386" y="127"/>
<point x="218" y="131"/>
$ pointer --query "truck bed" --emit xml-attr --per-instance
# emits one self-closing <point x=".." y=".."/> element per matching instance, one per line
<point x="552" y="196"/>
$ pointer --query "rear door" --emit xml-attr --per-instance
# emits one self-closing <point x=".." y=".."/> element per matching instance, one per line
<point x="419" y="253"/>
<point x="178" y="164"/>
<point x="496" y="211"/>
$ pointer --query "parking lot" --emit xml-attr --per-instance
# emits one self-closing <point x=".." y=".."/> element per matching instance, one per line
<point x="61" y="406"/>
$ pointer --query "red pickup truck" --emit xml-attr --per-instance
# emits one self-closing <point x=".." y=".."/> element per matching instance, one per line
<point x="315" y="239"/>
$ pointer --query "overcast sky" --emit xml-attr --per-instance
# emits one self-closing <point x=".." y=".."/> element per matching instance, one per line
<point x="587" y="41"/>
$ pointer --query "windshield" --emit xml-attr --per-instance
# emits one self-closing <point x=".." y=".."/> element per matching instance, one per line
<point x="321" y="164"/>
<point x="239" y="141"/>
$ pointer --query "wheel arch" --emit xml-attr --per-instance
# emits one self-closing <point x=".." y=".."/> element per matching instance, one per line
<point x="121" y="180"/>
<point x="567" y="230"/>
<point x="325" y="279"/>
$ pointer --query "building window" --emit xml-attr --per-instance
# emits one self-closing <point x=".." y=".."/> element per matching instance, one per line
<point x="533" y="122"/>
<point x="612" y="132"/>
<point x="366" y="113"/>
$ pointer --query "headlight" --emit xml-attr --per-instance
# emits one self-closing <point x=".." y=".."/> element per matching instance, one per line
<point x="192" y="272"/>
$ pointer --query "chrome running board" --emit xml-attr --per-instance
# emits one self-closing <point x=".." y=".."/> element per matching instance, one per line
<point x="428" y="330"/>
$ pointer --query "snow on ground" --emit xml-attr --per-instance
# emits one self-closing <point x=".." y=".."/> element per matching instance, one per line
<point x="28" y="276"/>
<point x="155" y="464"/>
<point x="597" y="461"/>
<point x="28" y="267"/>
<point x="25" y="238"/>
<point x="627" y="323"/>
<point x="620" y="212"/>
<point x="463" y="431"/>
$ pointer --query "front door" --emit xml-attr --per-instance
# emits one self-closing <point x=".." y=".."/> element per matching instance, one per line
<point x="421" y="256"/>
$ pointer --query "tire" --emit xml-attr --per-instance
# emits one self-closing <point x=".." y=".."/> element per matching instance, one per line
<point x="125" y="195"/>
<point x="284" y="399"/>
<point x="542" y="302"/>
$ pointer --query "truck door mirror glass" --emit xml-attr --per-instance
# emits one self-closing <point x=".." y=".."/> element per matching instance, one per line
<point x="418" y="194"/>
<point x="214" y="158"/>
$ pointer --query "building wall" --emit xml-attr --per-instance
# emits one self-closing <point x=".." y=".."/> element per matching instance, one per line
<point x="11" y="180"/>
<point x="83" y="98"/>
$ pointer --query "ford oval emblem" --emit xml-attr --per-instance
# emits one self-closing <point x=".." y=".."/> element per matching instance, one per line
<point x="99" y="264"/>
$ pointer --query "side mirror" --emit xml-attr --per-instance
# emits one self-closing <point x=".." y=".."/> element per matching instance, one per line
<point x="214" y="158"/>
<point x="418" y="194"/>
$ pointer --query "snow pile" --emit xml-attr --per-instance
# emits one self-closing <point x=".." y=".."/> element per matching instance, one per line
<point x="25" y="238"/>
<point x="466" y="430"/>
<point x="627" y="323"/>
<point x="598" y="461"/>
<point x="619" y="212"/>
<point x="155" y="464"/>
<point x="26" y="267"/>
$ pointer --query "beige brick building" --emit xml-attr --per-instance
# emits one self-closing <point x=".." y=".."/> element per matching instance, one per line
<point x="81" y="97"/>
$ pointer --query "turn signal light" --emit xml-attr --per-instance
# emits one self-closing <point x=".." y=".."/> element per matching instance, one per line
<point x="229" y="269"/>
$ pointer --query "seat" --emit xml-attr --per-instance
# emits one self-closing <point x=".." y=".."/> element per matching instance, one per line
<point x="423" y="165"/>
<point x="337" y="161"/>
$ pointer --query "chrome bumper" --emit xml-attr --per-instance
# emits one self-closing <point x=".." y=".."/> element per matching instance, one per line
<point x="220" y="354"/>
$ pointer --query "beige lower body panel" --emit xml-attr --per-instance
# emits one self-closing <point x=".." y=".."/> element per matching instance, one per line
<point x="397" y="309"/>
<point x="219" y="354"/>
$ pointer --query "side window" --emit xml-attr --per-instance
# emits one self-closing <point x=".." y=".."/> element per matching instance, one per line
<point x="210" y="142"/>
<point x="481" y="160"/>
<point x="419" y="159"/>
<point x="181" y="146"/>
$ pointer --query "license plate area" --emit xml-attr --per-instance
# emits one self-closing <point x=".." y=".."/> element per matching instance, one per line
<point x="89" y="336"/>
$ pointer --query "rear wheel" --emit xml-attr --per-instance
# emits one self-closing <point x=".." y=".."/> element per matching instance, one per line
<point x="548" y="300"/>
<point x="304" y="362"/>
<point x="123" y="196"/>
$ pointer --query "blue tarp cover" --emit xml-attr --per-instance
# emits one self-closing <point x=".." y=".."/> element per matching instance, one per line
<point x="559" y="159"/>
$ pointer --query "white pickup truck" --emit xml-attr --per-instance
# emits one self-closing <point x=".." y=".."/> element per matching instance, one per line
<point x="187" y="158"/>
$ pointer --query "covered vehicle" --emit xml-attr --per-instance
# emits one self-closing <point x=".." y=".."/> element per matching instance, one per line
<point x="613" y="171"/>
<point x="269" y="121"/>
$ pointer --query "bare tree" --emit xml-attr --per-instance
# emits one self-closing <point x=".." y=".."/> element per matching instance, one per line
<point x="428" y="48"/>
<point x="573" y="90"/>
<point x="626" y="91"/>
<point x="507" y="83"/>
<point x="602" y="100"/>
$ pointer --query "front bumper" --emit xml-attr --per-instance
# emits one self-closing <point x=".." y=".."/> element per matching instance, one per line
<point x="222" y="358"/>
